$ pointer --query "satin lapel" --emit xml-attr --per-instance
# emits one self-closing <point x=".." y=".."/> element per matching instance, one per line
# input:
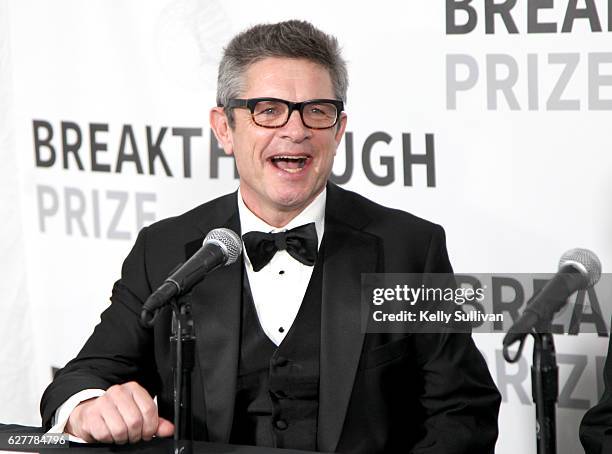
<point x="348" y="252"/>
<point x="216" y="311"/>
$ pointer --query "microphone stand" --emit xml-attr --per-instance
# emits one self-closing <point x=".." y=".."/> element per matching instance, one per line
<point x="544" y="384"/>
<point x="545" y="388"/>
<point x="182" y="343"/>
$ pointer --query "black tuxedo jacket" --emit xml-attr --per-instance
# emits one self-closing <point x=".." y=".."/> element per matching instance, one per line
<point x="596" y="426"/>
<point x="425" y="393"/>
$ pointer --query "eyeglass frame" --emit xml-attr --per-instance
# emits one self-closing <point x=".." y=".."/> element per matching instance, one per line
<point x="250" y="104"/>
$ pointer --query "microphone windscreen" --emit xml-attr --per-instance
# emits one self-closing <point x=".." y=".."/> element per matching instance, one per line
<point x="228" y="240"/>
<point x="585" y="261"/>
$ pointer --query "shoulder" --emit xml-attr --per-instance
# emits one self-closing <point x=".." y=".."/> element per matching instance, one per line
<point x="409" y="244"/>
<point x="201" y="218"/>
<point x="350" y="206"/>
<point x="168" y="242"/>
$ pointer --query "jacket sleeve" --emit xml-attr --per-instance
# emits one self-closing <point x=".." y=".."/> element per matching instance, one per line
<point x="119" y="349"/>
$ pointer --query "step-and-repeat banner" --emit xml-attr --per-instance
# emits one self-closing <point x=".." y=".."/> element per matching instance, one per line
<point x="491" y="118"/>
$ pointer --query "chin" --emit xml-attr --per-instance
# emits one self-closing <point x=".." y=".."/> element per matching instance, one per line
<point x="292" y="199"/>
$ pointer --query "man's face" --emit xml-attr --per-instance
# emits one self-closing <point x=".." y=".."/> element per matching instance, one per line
<point x="268" y="184"/>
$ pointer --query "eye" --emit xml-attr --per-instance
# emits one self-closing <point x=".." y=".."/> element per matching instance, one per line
<point x="321" y="110"/>
<point x="268" y="108"/>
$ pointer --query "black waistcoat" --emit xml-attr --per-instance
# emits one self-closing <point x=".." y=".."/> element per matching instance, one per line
<point x="277" y="395"/>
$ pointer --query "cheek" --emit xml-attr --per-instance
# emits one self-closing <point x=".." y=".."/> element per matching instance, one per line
<point x="246" y="150"/>
<point x="251" y="140"/>
<point x="258" y="143"/>
<point x="328" y="155"/>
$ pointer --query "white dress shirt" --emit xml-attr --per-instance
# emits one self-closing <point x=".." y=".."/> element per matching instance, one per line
<point x="279" y="287"/>
<point x="60" y="419"/>
<point x="278" y="290"/>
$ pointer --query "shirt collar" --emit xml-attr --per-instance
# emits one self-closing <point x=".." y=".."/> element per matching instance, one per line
<point x="314" y="212"/>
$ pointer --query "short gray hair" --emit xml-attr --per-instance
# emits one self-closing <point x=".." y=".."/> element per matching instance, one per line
<point x="289" y="39"/>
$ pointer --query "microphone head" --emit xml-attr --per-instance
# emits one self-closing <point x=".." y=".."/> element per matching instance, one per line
<point x="585" y="261"/>
<point x="228" y="240"/>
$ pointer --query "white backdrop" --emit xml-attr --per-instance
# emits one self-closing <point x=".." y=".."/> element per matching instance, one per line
<point x="517" y="126"/>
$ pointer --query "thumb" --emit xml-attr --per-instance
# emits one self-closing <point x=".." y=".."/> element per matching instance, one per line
<point x="165" y="428"/>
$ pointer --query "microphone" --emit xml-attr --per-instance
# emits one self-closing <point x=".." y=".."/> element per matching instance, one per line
<point x="579" y="269"/>
<point x="221" y="247"/>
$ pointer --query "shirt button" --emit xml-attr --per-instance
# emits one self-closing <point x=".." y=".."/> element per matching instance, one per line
<point x="281" y="424"/>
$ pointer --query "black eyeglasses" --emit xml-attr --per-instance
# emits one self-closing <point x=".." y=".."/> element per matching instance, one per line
<point x="275" y="113"/>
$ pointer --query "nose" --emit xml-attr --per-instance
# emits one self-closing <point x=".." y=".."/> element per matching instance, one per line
<point x="295" y="130"/>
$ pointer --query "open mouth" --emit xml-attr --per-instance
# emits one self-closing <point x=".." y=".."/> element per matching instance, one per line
<point x="291" y="164"/>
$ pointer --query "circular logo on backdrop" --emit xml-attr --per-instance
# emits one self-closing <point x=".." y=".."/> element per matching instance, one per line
<point x="190" y="36"/>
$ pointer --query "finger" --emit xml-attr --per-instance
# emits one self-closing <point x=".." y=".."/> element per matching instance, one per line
<point x="165" y="428"/>
<point x="148" y="410"/>
<point x="113" y="419"/>
<point x="129" y="411"/>
<point x="86" y="437"/>
<point x="78" y="422"/>
<point x="82" y="431"/>
<point x="97" y="430"/>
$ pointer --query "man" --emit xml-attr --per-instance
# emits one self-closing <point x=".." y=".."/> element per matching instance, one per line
<point x="281" y="360"/>
<point x="596" y="426"/>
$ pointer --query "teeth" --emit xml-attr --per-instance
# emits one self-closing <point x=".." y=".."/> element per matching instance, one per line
<point x="291" y="164"/>
<point x="289" y="158"/>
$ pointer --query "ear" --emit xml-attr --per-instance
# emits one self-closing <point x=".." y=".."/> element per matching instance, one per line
<point x="222" y="130"/>
<point x="340" y="129"/>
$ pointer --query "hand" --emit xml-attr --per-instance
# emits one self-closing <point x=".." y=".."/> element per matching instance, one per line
<point x="125" y="413"/>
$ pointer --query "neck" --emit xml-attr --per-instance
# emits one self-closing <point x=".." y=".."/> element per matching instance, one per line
<point x="275" y="216"/>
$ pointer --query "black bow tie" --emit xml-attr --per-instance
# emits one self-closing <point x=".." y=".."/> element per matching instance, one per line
<point x="301" y="243"/>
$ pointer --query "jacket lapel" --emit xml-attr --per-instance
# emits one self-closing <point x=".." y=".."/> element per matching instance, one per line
<point x="216" y="313"/>
<point x="348" y="252"/>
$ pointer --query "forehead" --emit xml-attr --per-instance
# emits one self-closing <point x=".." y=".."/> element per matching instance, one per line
<point x="288" y="78"/>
